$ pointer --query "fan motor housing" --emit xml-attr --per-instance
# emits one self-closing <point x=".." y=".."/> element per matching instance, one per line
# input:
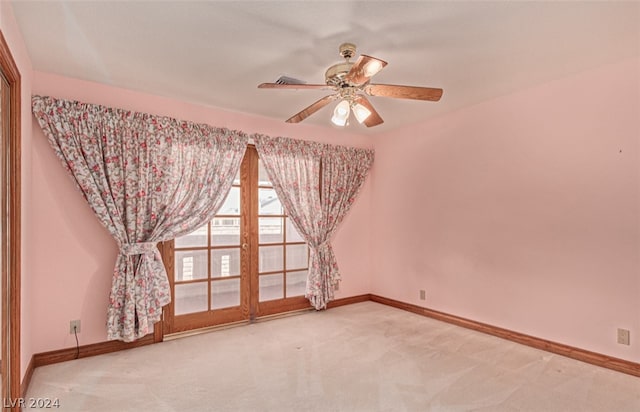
<point x="334" y="76"/>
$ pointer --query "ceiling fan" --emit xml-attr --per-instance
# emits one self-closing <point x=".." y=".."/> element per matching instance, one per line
<point x="351" y="83"/>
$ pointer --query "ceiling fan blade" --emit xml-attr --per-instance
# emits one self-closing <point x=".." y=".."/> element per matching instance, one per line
<point x="374" y="118"/>
<point x="363" y="69"/>
<point x="294" y="86"/>
<point x="308" y="111"/>
<point x="403" y="92"/>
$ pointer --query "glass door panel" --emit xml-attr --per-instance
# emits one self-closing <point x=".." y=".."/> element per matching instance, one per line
<point x="271" y="287"/>
<point x="207" y="265"/>
<point x="270" y="230"/>
<point x="225" y="231"/>
<point x="297" y="255"/>
<point x="225" y="293"/>
<point x="282" y="253"/>
<point x="296" y="283"/>
<point x="271" y="258"/>
<point x="190" y="298"/>
<point x="197" y="238"/>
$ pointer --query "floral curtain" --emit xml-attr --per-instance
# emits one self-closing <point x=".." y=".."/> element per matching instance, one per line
<point x="317" y="184"/>
<point x="344" y="170"/>
<point x="148" y="179"/>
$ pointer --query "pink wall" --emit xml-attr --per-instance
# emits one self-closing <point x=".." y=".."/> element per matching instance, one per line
<point x="13" y="37"/>
<point x="73" y="255"/>
<point x="521" y="212"/>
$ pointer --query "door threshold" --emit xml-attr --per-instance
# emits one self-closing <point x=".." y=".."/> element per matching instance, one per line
<point x="193" y="332"/>
<point x="282" y="314"/>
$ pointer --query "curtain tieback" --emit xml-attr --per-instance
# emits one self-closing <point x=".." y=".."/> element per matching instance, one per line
<point x="141" y="248"/>
<point x="322" y="245"/>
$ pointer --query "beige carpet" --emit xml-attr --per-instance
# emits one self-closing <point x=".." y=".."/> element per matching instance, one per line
<point x="362" y="357"/>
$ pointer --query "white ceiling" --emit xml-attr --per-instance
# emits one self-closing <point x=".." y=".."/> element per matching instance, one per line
<point x="217" y="52"/>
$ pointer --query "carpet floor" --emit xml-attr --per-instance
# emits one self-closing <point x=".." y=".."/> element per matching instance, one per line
<point x="360" y="357"/>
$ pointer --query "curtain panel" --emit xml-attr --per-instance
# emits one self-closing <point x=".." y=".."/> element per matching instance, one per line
<point x="148" y="179"/>
<point x="317" y="184"/>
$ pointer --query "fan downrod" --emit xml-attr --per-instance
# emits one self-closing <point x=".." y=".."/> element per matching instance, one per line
<point x="334" y="76"/>
<point x="347" y="50"/>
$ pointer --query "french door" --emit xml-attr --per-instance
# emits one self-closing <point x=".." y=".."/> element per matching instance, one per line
<point x="247" y="262"/>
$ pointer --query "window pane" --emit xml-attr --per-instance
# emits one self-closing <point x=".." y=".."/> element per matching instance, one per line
<point x="190" y="264"/>
<point x="231" y="205"/>
<point x="236" y="180"/>
<point x="225" y="231"/>
<point x="296" y="257"/>
<point x="292" y="233"/>
<point x="268" y="202"/>
<point x="271" y="229"/>
<point x="263" y="176"/>
<point x="191" y="298"/>
<point x="225" y="293"/>
<point x="271" y="287"/>
<point x="270" y="258"/>
<point x="225" y="262"/>
<point x="194" y="239"/>
<point x="296" y="283"/>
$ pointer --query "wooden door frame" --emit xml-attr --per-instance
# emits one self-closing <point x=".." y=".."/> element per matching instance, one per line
<point x="11" y="232"/>
<point x="250" y="237"/>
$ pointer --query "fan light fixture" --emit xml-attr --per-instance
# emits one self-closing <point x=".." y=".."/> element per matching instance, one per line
<point x="341" y="113"/>
<point x="361" y="112"/>
<point x="344" y="108"/>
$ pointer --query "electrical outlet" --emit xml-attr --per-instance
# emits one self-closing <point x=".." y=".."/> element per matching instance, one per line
<point x="624" y="337"/>
<point x="74" y="326"/>
<point x="423" y="295"/>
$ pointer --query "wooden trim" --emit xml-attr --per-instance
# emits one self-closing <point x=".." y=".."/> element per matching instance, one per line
<point x="251" y="235"/>
<point x="94" y="349"/>
<point x="211" y="279"/>
<point x="298" y="243"/>
<point x="300" y="303"/>
<point x="15" y="234"/>
<point x="205" y="329"/>
<point x="348" y="301"/>
<point x="11" y="296"/>
<point x="284" y="305"/>
<point x="167" y="252"/>
<point x="158" y="327"/>
<point x="26" y="381"/>
<point x="205" y="247"/>
<point x="616" y="364"/>
<point x="204" y="319"/>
